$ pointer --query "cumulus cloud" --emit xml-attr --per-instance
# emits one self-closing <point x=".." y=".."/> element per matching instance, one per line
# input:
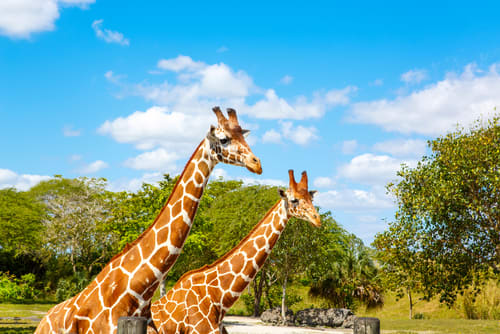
<point x="414" y="76"/>
<point x="157" y="160"/>
<point x="354" y="200"/>
<point x="402" y="147"/>
<point x="158" y="126"/>
<point x="372" y="169"/>
<point x="323" y="182"/>
<point x="180" y="63"/>
<point x="109" y="36"/>
<point x="437" y="108"/>
<point x="21" y="18"/>
<point x="94" y="167"/>
<point x="300" y="135"/>
<point x="271" y="136"/>
<point x="10" y="179"/>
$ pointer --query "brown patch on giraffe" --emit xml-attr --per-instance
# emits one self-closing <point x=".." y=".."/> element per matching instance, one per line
<point x="203" y="167"/>
<point x="238" y="284"/>
<point x="203" y="326"/>
<point x="260" y="242"/>
<point x="178" y="232"/>
<point x="273" y="238"/>
<point x="144" y="277"/>
<point x="188" y="204"/>
<point x="224" y="268"/>
<point x="177" y="208"/>
<point x="191" y="298"/>
<point x="177" y="194"/>
<point x="237" y="262"/>
<point x="249" y="269"/>
<point x="214" y="292"/>
<point x="131" y="303"/>
<point x="192" y="189"/>
<point x="198" y="177"/>
<point x="228" y="299"/>
<point x="226" y="280"/>
<point x="250" y="250"/>
<point x="158" y="261"/>
<point x="212" y="275"/>
<point x="148" y="294"/>
<point x="198" y="279"/>
<point x="131" y="260"/>
<point x="261" y="259"/>
<point x="113" y="286"/>
<point x="102" y="320"/>
<point x="148" y="244"/>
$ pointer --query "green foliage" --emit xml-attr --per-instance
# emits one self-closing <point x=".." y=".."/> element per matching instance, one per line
<point x="16" y="289"/>
<point x="69" y="287"/>
<point x="447" y="225"/>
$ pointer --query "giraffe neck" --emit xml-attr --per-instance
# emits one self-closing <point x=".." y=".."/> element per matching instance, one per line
<point x="245" y="260"/>
<point x="157" y="249"/>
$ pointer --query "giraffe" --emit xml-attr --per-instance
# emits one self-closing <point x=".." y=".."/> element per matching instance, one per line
<point x="197" y="303"/>
<point x="127" y="283"/>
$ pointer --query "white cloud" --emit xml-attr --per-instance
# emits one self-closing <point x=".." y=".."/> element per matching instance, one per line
<point x="68" y="131"/>
<point x="135" y="183"/>
<point x="414" y="76"/>
<point x="157" y="160"/>
<point x="286" y="80"/>
<point x="109" y="36"/>
<point x="402" y="147"/>
<point x="159" y="127"/>
<point x="353" y="200"/>
<point x="377" y="82"/>
<point x="94" y="167"/>
<point x="271" y="136"/>
<point x="219" y="172"/>
<point x="437" y="108"/>
<point x="21" y="18"/>
<point x="349" y="146"/>
<point x="181" y="63"/>
<point x="372" y="169"/>
<point x="23" y="182"/>
<point x="300" y="135"/>
<point x="323" y="182"/>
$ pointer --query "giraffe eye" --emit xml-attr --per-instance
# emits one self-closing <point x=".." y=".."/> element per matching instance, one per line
<point x="224" y="141"/>
<point x="295" y="201"/>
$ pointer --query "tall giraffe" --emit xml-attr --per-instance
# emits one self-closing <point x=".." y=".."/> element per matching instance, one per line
<point x="199" y="300"/>
<point x="126" y="284"/>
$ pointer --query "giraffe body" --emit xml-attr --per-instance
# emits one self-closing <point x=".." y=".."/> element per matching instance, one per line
<point x="127" y="283"/>
<point x="198" y="302"/>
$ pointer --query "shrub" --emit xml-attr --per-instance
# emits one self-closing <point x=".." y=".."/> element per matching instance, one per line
<point x="17" y="289"/>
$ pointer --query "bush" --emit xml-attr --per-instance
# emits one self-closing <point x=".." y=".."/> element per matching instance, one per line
<point x="484" y="304"/>
<point x="67" y="288"/>
<point x="17" y="289"/>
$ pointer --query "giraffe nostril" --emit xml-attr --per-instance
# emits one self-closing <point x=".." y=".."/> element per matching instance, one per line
<point x="254" y="159"/>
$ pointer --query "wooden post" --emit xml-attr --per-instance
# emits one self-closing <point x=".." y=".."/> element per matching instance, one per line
<point x="366" y="326"/>
<point x="132" y="325"/>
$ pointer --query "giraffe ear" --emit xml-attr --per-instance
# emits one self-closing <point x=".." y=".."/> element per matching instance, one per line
<point x="245" y="133"/>
<point x="312" y="193"/>
<point x="211" y="132"/>
<point x="282" y="193"/>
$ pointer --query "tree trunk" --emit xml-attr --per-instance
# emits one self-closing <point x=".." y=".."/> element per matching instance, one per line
<point x="163" y="288"/>
<point x="258" y="288"/>
<point x="411" y="303"/>
<point x="283" y="301"/>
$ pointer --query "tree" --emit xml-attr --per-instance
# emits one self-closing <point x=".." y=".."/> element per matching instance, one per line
<point x="349" y="276"/>
<point x="74" y="224"/>
<point x="450" y="202"/>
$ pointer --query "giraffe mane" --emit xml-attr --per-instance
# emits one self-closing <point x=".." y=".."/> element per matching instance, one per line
<point x="128" y="246"/>
<point x="225" y="256"/>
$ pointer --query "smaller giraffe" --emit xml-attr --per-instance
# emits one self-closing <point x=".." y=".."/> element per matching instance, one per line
<point x="198" y="302"/>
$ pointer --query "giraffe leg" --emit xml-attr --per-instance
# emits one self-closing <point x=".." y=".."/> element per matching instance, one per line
<point x="223" y="330"/>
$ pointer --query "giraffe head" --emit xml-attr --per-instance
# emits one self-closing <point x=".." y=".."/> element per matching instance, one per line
<point x="299" y="200"/>
<point x="228" y="144"/>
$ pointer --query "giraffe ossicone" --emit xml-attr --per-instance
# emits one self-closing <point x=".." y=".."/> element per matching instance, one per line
<point x="127" y="283"/>
<point x="197" y="303"/>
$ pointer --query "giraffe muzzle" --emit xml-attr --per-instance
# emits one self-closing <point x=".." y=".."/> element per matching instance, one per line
<point x="253" y="164"/>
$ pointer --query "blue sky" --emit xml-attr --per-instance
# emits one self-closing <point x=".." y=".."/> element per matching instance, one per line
<point x="348" y="92"/>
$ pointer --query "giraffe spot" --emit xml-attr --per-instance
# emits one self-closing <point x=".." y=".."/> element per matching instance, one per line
<point x="179" y="231"/>
<point x="260" y="242"/>
<point x="186" y="284"/>
<point x="198" y="279"/>
<point x="113" y="287"/>
<point x="128" y="306"/>
<point x="261" y="259"/>
<point x="210" y="276"/>
<point x="138" y="282"/>
<point x="148" y="294"/>
<point x="203" y="326"/>
<point x="198" y="177"/>
<point x="214" y="292"/>
<point x="159" y="259"/>
<point x="249" y="249"/>
<point x="170" y="307"/>
<point x="226" y="280"/>
<point x="177" y="193"/>
<point x="176" y="209"/>
<point x="191" y="298"/>
<point x="228" y="299"/>
<point x="239" y="284"/>
<point x="223" y="268"/>
<point x="203" y="167"/>
<point x="101" y="324"/>
<point x="189" y="205"/>
<point x="193" y="190"/>
<point x="131" y="260"/>
<point x="162" y="235"/>
<point x="237" y="262"/>
<point x="148" y="244"/>
<point x="273" y="239"/>
<point x="249" y="270"/>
